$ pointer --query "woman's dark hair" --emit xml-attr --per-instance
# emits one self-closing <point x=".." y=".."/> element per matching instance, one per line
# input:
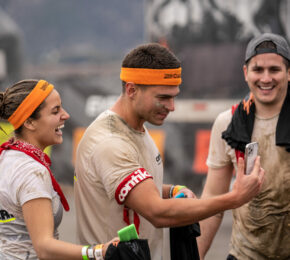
<point x="13" y="97"/>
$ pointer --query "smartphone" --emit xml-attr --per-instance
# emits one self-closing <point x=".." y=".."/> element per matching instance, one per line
<point x="251" y="153"/>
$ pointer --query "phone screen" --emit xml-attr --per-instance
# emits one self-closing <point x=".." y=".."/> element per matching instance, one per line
<point x="251" y="153"/>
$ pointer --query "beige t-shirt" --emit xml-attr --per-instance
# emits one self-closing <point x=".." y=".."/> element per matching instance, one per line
<point x="113" y="158"/>
<point x="261" y="228"/>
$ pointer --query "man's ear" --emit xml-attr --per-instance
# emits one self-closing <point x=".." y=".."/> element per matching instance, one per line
<point x="245" y="69"/>
<point x="131" y="89"/>
<point x="29" y="123"/>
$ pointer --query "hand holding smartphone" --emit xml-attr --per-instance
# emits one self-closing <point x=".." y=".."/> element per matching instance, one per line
<point x="251" y="153"/>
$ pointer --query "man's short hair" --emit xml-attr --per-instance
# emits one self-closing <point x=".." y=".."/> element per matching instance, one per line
<point x="151" y="56"/>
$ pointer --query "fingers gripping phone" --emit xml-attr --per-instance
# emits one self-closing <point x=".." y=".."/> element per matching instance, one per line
<point x="251" y="153"/>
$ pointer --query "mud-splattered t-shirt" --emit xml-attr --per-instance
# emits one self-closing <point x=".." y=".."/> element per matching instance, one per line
<point x="22" y="179"/>
<point x="261" y="228"/>
<point x="112" y="158"/>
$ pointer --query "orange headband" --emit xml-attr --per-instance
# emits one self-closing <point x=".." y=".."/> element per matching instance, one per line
<point x="30" y="103"/>
<point x="142" y="76"/>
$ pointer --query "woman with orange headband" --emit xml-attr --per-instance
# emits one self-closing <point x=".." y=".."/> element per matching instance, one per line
<point x="31" y="200"/>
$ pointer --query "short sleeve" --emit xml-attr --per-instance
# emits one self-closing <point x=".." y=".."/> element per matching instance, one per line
<point x="31" y="181"/>
<point x="219" y="152"/>
<point x="115" y="160"/>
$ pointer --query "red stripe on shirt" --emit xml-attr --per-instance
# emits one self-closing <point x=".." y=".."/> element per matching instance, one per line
<point x="129" y="183"/>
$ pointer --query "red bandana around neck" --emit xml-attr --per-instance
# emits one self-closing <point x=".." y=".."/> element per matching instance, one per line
<point x="39" y="156"/>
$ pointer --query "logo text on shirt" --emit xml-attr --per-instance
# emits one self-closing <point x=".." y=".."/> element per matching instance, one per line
<point x="129" y="183"/>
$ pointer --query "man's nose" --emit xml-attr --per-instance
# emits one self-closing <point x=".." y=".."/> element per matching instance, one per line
<point x="266" y="77"/>
<point x="171" y="106"/>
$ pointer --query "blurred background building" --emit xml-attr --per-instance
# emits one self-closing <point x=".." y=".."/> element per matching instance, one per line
<point x="79" y="45"/>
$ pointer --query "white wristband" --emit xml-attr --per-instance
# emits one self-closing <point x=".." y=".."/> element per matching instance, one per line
<point x="99" y="253"/>
<point x="91" y="253"/>
<point x="84" y="252"/>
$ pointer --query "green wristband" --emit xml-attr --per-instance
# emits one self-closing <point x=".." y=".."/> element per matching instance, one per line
<point x="84" y="253"/>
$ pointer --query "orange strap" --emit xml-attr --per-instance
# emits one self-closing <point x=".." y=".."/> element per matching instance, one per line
<point x="248" y="103"/>
<point x="163" y="77"/>
<point x="30" y="103"/>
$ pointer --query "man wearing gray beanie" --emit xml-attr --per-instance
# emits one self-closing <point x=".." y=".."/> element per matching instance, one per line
<point x="261" y="227"/>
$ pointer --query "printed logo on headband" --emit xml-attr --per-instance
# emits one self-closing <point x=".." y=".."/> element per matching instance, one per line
<point x="172" y="76"/>
<point x="129" y="183"/>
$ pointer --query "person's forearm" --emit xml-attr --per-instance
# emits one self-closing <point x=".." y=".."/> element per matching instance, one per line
<point x="53" y="249"/>
<point x="56" y="249"/>
<point x="208" y="228"/>
<point x="145" y="199"/>
<point x="181" y="212"/>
